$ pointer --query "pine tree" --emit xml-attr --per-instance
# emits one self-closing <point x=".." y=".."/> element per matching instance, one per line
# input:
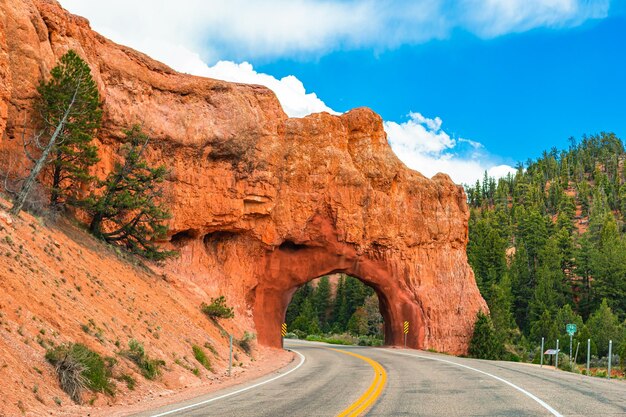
<point x="129" y="208"/>
<point x="68" y="107"/>
<point x="604" y="326"/>
<point x="522" y="287"/>
<point x="307" y="320"/>
<point x="321" y="301"/>
<point x="295" y="305"/>
<point x="74" y="152"/>
<point x="501" y="307"/>
<point x="549" y="292"/>
<point x="484" y="343"/>
<point x="609" y="266"/>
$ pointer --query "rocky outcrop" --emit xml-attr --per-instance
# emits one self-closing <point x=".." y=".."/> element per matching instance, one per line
<point x="263" y="203"/>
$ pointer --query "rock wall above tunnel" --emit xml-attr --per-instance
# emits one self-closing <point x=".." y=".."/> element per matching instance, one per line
<point x="263" y="203"/>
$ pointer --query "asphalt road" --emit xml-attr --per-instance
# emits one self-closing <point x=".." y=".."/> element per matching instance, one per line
<point x="416" y="383"/>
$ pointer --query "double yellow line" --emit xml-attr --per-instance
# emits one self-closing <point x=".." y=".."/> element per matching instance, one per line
<point x="369" y="397"/>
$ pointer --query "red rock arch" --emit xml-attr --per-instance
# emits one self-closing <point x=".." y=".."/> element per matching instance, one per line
<point x="288" y="270"/>
<point x="293" y="263"/>
<point x="261" y="202"/>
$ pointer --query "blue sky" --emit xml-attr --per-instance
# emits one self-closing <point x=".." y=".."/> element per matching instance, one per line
<point x="516" y="94"/>
<point x="463" y="86"/>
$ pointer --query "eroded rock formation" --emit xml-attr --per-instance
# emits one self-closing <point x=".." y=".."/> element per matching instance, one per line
<point x="263" y="203"/>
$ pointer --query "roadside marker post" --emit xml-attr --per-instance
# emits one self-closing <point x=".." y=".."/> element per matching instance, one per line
<point x="541" y="363"/>
<point x="588" y="354"/>
<point x="608" y="375"/>
<point x="230" y="355"/>
<point x="406" y="331"/>
<point x="556" y="359"/>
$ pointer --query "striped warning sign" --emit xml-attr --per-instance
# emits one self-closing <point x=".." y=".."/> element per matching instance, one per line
<point x="284" y="329"/>
<point x="406" y="327"/>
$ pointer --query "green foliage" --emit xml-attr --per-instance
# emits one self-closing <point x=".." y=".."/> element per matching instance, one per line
<point x="484" y="343"/>
<point x="548" y="244"/>
<point x="604" y="326"/>
<point x="201" y="357"/>
<point x="74" y="152"/>
<point x="127" y="207"/>
<point x="150" y="368"/>
<point x="131" y="382"/>
<point x="78" y="367"/>
<point x="353" y="308"/>
<point x="245" y="343"/>
<point x="334" y="339"/>
<point x="218" y="308"/>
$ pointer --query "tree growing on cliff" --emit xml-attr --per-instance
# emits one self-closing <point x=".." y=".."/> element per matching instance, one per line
<point x="128" y="206"/>
<point x="68" y="112"/>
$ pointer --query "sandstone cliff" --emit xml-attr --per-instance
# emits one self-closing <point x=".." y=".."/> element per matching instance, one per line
<point x="263" y="203"/>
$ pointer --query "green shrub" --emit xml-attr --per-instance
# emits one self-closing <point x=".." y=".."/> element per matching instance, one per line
<point x="150" y="368"/>
<point x="218" y="309"/>
<point x="245" y="342"/>
<point x="209" y="346"/>
<point x="201" y="357"/>
<point x="369" y="341"/>
<point x="334" y="339"/>
<point x="130" y="381"/>
<point x="299" y="334"/>
<point x="78" y="367"/>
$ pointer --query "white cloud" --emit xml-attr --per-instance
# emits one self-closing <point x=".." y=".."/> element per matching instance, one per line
<point x="290" y="91"/>
<point x="489" y="18"/>
<point x="241" y="29"/>
<point x="423" y="146"/>
<point x="188" y="33"/>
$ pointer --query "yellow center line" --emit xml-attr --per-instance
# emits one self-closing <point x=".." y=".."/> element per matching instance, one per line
<point x="369" y="397"/>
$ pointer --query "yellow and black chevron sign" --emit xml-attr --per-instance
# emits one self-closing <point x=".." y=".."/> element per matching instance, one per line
<point x="406" y="327"/>
<point x="284" y="329"/>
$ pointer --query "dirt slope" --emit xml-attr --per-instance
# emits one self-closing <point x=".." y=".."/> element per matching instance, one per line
<point x="57" y="285"/>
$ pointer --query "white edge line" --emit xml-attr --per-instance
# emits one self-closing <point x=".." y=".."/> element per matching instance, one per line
<point x="230" y="394"/>
<point x="522" y="390"/>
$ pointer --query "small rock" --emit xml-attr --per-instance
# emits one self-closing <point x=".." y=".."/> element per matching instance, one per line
<point x="6" y="218"/>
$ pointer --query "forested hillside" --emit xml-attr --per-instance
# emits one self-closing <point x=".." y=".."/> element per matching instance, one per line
<point x="345" y="306"/>
<point x="548" y="246"/>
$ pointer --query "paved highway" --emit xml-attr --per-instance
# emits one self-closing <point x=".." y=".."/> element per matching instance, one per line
<point x="346" y="381"/>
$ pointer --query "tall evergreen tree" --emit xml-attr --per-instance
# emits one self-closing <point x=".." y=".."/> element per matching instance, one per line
<point x="129" y="208"/>
<point x="484" y="343"/>
<point x="321" y="301"/>
<point x="68" y="114"/>
<point x="74" y="152"/>
<point x="604" y="326"/>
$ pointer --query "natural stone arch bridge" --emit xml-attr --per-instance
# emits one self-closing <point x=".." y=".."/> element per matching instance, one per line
<point x="262" y="203"/>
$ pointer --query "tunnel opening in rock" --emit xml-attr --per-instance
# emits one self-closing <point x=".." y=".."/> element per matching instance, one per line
<point x="336" y="308"/>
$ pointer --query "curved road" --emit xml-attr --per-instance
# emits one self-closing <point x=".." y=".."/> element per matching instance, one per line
<point x="331" y="381"/>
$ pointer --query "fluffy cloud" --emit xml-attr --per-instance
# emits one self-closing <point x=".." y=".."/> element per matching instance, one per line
<point x="290" y="91"/>
<point x="241" y="29"/>
<point x="422" y="145"/>
<point x="188" y="33"/>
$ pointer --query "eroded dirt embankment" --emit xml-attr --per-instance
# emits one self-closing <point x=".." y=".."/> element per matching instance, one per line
<point x="59" y="285"/>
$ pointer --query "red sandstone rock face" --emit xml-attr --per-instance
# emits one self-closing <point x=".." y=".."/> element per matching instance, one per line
<point x="263" y="203"/>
